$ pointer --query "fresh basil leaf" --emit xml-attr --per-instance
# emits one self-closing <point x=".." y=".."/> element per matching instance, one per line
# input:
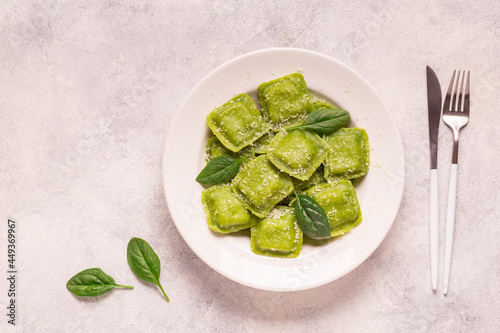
<point x="92" y="282"/>
<point x="144" y="262"/>
<point x="325" y="121"/>
<point x="219" y="170"/>
<point x="311" y="217"/>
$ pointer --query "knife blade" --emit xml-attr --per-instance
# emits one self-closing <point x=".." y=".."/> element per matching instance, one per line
<point x="434" y="113"/>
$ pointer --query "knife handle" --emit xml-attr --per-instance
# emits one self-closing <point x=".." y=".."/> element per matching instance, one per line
<point x="450" y="225"/>
<point x="434" y="227"/>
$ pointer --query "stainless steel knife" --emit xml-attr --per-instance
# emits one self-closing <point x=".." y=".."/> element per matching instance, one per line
<point x="434" y="111"/>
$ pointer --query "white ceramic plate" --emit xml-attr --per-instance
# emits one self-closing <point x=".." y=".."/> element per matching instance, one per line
<point x="379" y="193"/>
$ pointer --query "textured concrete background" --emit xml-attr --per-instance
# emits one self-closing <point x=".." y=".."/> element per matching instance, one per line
<point x="88" y="91"/>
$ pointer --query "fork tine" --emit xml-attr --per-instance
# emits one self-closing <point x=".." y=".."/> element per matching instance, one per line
<point x="466" y="97"/>
<point x="460" y="94"/>
<point x="446" y="106"/>
<point x="455" y="95"/>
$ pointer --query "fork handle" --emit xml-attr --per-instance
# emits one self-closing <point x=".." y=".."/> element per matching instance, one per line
<point x="434" y="227"/>
<point x="450" y="225"/>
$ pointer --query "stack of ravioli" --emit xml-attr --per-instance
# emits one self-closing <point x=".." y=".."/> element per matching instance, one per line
<point x="260" y="196"/>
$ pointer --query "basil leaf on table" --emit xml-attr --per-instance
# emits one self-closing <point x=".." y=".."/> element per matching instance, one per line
<point x="92" y="282"/>
<point x="325" y="121"/>
<point x="311" y="217"/>
<point x="144" y="262"/>
<point x="219" y="170"/>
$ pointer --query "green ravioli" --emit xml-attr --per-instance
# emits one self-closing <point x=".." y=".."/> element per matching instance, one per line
<point x="237" y="123"/>
<point x="340" y="203"/>
<point x="260" y="185"/>
<point x="225" y="213"/>
<point x="298" y="152"/>
<point x="277" y="235"/>
<point x="349" y="155"/>
<point x="279" y="157"/>
<point x="285" y="101"/>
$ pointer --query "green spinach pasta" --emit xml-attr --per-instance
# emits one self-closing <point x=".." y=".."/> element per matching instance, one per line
<point x="283" y="170"/>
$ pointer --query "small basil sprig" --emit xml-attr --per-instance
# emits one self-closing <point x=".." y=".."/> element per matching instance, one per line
<point x="311" y="217"/>
<point x="325" y="121"/>
<point x="92" y="282"/>
<point x="219" y="170"/>
<point x="144" y="262"/>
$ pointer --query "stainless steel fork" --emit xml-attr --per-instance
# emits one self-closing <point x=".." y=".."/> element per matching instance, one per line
<point x="456" y="115"/>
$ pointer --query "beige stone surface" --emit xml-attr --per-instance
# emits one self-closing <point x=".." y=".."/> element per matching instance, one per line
<point x="88" y="91"/>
